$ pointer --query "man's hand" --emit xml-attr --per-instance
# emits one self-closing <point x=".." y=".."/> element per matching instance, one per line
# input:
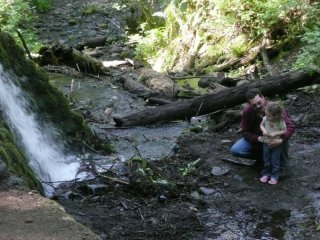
<point x="275" y="143"/>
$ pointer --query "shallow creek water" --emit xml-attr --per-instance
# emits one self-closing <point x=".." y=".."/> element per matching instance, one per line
<point x="100" y="100"/>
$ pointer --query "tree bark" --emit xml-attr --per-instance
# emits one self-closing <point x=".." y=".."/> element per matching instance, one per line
<point x="224" y="99"/>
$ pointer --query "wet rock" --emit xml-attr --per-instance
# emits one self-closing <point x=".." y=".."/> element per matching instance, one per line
<point x="108" y="112"/>
<point x="98" y="189"/>
<point x="238" y="178"/>
<point x="115" y="49"/>
<point x="195" y="195"/>
<point x="114" y="55"/>
<point x="316" y="186"/>
<point x="242" y="82"/>
<point x="219" y="171"/>
<point x="207" y="191"/>
<point x="162" y="198"/>
<point x="70" y="195"/>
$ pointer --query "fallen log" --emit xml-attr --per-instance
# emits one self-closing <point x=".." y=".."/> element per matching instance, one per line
<point x="60" y="55"/>
<point x="134" y="86"/>
<point x="224" y="99"/>
<point x="92" y="43"/>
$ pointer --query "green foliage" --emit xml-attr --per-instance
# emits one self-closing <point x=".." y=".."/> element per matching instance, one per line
<point x="146" y="12"/>
<point x="42" y="5"/>
<point x="257" y="18"/>
<point x="149" y="46"/>
<point x="89" y="9"/>
<point x="309" y="55"/>
<point x="219" y="30"/>
<point x="14" y="14"/>
<point x="17" y="15"/>
<point x="146" y="171"/>
<point x="189" y="168"/>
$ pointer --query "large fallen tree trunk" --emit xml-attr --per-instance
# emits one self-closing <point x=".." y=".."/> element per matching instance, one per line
<point x="224" y="99"/>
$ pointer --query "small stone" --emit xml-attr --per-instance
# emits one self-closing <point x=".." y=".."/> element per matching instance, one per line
<point x="108" y="112"/>
<point x="195" y="195"/>
<point x="162" y="198"/>
<point x="207" y="191"/>
<point x="238" y="178"/>
<point x="316" y="186"/>
<point x="219" y="171"/>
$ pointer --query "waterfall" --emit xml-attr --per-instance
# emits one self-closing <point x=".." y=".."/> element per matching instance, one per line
<point x="44" y="154"/>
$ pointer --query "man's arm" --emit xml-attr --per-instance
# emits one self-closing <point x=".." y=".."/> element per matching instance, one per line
<point x="247" y="128"/>
<point x="290" y="128"/>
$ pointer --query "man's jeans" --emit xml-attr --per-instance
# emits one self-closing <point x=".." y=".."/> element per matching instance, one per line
<point x="244" y="149"/>
<point x="271" y="159"/>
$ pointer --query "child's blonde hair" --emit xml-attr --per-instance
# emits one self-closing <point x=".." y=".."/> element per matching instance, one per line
<point x="275" y="110"/>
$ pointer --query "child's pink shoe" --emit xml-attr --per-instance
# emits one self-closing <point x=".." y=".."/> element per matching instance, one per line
<point x="264" y="179"/>
<point x="273" y="181"/>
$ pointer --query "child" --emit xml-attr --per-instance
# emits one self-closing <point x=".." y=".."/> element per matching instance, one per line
<point x="272" y="127"/>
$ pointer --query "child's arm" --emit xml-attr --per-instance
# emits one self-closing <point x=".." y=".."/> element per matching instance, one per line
<point x="277" y="134"/>
<point x="282" y="131"/>
<point x="264" y="131"/>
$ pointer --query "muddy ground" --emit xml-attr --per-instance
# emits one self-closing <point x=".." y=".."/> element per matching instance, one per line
<point x="198" y="205"/>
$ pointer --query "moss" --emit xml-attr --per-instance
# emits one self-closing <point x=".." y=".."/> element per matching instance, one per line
<point x="15" y="160"/>
<point x="49" y="103"/>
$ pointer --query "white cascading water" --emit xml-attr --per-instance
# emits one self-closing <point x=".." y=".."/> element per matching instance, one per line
<point x="45" y="156"/>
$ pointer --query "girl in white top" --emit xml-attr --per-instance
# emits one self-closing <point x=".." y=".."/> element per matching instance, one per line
<point x="272" y="127"/>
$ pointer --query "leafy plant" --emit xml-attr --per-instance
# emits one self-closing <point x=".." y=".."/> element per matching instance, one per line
<point x="89" y="9"/>
<point x="42" y="5"/>
<point x="211" y="32"/>
<point x="309" y="55"/>
<point x="17" y="15"/>
<point x="189" y="168"/>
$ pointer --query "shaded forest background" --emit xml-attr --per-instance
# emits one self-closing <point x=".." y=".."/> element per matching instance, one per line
<point x="233" y="36"/>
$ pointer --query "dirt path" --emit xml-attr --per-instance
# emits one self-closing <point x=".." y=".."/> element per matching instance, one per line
<point x="29" y="216"/>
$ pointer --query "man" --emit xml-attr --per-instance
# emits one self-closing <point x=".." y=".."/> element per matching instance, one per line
<point x="250" y="145"/>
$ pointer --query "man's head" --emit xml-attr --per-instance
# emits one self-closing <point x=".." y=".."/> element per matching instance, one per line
<point x="256" y="99"/>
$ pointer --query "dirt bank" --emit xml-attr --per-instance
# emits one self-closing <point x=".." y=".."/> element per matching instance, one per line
<point x="28" y="216"/>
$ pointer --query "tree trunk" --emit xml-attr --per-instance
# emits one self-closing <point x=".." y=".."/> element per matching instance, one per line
<point x="224" y="99"/>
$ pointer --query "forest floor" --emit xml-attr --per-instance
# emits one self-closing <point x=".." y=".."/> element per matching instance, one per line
<point x="200" y="205"/>
<point x="193" y="203"/>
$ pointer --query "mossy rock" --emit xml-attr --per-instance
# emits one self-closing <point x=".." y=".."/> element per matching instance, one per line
<point x="15" y="160"/>
<point x="49" y="104"/>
